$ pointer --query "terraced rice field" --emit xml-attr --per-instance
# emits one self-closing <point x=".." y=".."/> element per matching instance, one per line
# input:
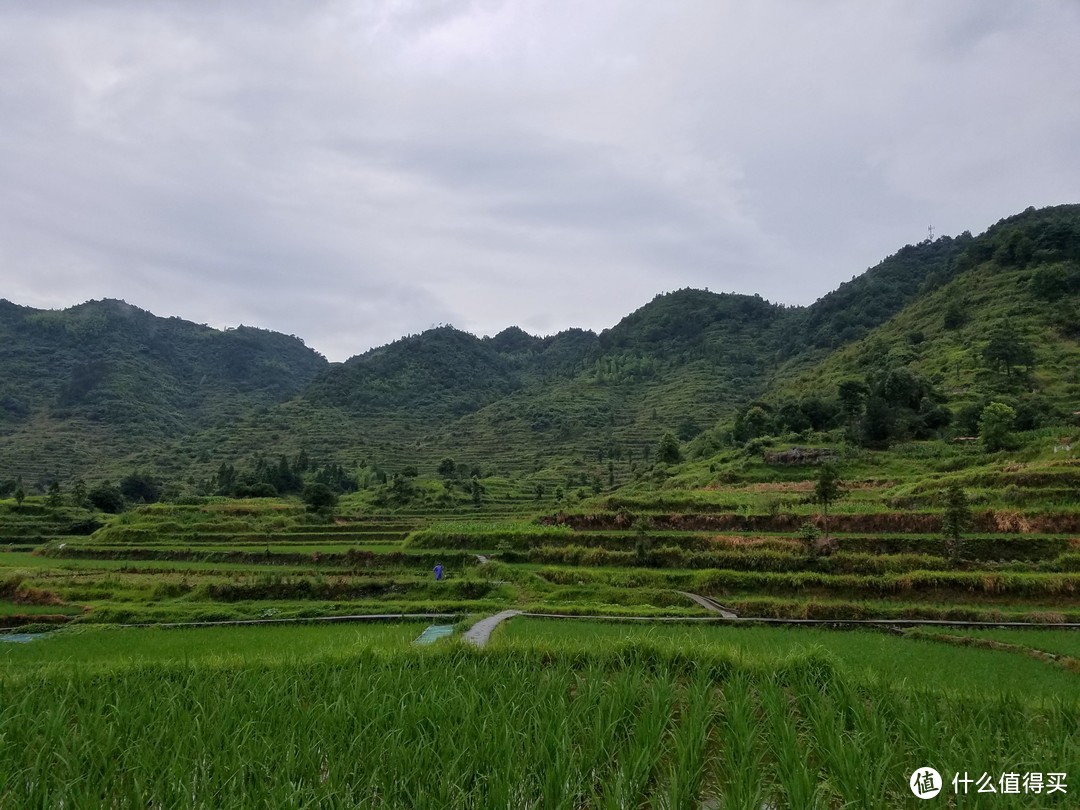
<point x="553" y="713"/>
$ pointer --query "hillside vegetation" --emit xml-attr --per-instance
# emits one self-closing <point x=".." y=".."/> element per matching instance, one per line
<point x="82" y="387"/>
<point x="914" y="348"/>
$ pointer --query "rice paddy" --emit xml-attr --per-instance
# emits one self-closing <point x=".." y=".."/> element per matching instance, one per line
<point x="562" y="713"/>
<point x="629" y="726"/>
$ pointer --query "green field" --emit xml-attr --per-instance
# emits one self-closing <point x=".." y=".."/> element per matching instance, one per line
<point x="867" y="656"/>
<point x="1061" y="642"/>
<point x="109" y="647"/>
<point x="574" y="713"/>
<point x="530" y="724"/>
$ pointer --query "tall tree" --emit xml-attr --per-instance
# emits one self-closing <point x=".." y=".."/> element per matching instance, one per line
<point x="852" y="400"/>
<point x="956" y="519"/>
<point x="669" y="452"/>
<point x="826" y="491"/>
<point x="1007" y="349"/>
<point x="78" y="493"/>
<point x="320" y="498"/>
<point x="995" y="426"/>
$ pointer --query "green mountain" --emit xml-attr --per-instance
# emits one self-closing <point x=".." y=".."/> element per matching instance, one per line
<point x="441" y="373"/>
<point x="86" y="385"/>
<point x="105" y="388"/>
<point x="999" y="322"/>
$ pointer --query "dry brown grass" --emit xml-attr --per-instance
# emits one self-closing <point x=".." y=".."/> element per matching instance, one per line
<point x="1008" y="521"/>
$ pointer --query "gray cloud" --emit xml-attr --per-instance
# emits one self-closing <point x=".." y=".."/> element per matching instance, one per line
<point x="354" y="171"/>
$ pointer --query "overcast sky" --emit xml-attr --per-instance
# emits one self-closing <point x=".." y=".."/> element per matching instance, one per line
<point x="350" y="172"/>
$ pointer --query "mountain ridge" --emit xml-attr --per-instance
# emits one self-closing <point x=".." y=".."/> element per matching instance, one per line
<point x="125" y="388"/>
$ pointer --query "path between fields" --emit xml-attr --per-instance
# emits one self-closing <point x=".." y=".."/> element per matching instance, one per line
<point x="711" y="604"/>
<point x="480" y="632"/>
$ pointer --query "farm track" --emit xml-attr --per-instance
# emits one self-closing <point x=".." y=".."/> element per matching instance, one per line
<point x="818" y="622"/>
<point x="1058" y="659"/>
<point x="711" y="605"/>
<point x="480" y="632"/>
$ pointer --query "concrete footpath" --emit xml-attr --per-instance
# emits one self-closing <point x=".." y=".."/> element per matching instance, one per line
<point x="480" y="632"/>
<point x="711" y="604"/>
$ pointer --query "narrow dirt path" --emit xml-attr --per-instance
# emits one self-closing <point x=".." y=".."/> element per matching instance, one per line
<point x="480" y="632"/>
<point x="711" y="604"/>
<point x="803" y="622"/>
<point x="1060" y="659"/>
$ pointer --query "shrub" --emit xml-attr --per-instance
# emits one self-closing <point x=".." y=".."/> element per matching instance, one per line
<point x="107" y="498"/>
<point x="320" y="498"/>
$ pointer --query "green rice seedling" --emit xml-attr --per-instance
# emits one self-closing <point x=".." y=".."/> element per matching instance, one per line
<point x="797" y="783"/>
<point x="689" y="747"/>
<point x="516" y="725"/>
<point x="617" y="705"/>
<point x="740" y="755"/>
<point x="641" y="754"/>
<point x="870" y="736"/>
<point x="822" y="725"/>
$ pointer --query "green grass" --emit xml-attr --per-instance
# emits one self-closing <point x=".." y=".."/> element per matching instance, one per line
<point x="25" y="561"/>
<point x="446" y="727"/>
<point x="214" y="646"/>
<point x="867" y="655"/>
<point x="1061" y="642"/>
<point x="198" y="611"/>
<point x="9" y="609"/>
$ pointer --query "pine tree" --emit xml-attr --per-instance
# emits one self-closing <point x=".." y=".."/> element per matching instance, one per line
<point x="827" y="490"/>
<point x="956" y="519"/>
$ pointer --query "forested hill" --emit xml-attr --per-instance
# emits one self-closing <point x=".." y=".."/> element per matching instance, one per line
<point x="105" y="378"/>
<point x="858" y="306"/>
<point x="108" y="361"/>
<point x="105" y="387"/>
<point x="999" y="323"/>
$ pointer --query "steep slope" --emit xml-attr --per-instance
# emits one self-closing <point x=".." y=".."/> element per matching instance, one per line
<point x="856" y="307"/>
<point x="102" y="379"/>
<point x="515" y="403"/>
<point x="675" y="364"/>
<point x="1005" y="327"/>
<point x="438" y="374"/>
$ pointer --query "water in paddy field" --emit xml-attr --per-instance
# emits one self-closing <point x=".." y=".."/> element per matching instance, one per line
<point x="22" y="638"/>
<point x="433" y="633"/>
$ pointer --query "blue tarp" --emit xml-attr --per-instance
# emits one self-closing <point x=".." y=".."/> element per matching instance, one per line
<point x="434" y="633"/>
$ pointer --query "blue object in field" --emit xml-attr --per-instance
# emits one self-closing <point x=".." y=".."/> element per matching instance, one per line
<point x="438" y="573"/>
<point x="21" y="638"/>
<point x="434" y="633"/>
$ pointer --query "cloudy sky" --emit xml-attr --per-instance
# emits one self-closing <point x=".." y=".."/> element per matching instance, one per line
<point x="354" y="171"/>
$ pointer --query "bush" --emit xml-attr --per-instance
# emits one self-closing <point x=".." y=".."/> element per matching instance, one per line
<point x="141" y="487"/>
<point x="319" y="498"/>
<point x="995" y="426"/>
<point x="107" y="498"/>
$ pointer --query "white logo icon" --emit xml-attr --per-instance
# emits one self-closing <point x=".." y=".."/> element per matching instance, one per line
<point x="925" y="783"/>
